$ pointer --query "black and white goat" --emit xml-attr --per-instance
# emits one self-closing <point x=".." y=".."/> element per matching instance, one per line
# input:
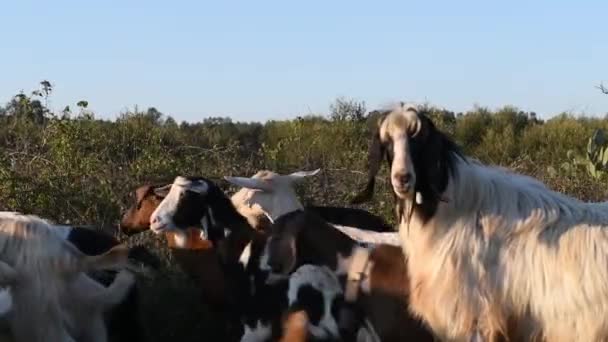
<point x="261" y="303"/>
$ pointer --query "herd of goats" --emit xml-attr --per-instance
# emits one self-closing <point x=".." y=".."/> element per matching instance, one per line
<point x="480" y="254"/>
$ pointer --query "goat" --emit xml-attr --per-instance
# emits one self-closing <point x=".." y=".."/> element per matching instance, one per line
<point x="489" y="250"/>
<point x="123" y="318"/>
<point x="44" y="265"/>
<point x="191" y="201"/>
<point x="300" y="237"/>
<point x="196" y="256"/>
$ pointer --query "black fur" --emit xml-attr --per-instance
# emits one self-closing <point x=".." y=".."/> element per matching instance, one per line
<point x="352" y="217"/>
<point x="302" y="222"/>
<point x="376" y="152"/>
<point x="310" y="300"/>
<point x="434" y="156"/>
<point x="194" y="206"/>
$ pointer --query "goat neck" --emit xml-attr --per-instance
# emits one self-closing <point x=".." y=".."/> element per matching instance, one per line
<point x="241" y="232"/>
<point x="317" y="242"/>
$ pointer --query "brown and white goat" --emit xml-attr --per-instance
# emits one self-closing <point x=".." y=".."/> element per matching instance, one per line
<point x="47" y="276"/>
<point x="194" y="254"/>
<point x="377" y="275"/>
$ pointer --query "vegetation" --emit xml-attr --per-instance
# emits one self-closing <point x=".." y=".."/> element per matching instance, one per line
<point x="74" y="168"/>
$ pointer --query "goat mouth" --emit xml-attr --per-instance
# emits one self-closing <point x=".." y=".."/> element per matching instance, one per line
<point x="159" y="228"/>
<point x="403" y="192"/>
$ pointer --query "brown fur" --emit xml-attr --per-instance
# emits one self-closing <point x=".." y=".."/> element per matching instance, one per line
<point x="295" y="328"/>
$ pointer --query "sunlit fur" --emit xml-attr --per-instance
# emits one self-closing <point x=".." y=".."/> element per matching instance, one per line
<point x="281" y="200"/>
<point x="45" y="264"/>
<point x="504" y="255"/>
<point x="396" y="129"/>
<point x="253" y="213"/>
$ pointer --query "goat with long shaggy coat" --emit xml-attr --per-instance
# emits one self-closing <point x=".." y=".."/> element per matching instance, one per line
<point x="42" y="266"/>
<point x="491" y="252"/>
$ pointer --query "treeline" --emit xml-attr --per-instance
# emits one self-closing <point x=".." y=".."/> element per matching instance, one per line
<point x="72" y="167"/>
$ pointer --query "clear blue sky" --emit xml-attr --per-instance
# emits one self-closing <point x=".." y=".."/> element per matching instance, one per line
<point x="257" y="60"/>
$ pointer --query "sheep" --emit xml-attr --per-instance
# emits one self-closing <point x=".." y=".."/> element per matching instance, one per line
<point x="192" y="200"/>
<point x="299" y="237"/>
<point x="45" y="264"/>
<point x="489" y="250"/>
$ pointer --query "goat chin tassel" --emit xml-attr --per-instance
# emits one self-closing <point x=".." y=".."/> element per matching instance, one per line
<point x="418" y="198"/>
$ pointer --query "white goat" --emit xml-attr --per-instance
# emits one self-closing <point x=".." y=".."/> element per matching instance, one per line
<point x="49" y="295"/>
<point x="491" y="252"/>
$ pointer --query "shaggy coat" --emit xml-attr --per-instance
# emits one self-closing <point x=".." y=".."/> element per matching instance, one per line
<point x="44" y="267"/>
<point x="491" y="252"/>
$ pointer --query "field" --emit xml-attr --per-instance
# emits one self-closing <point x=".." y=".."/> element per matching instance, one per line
<point x="73" y="168"/>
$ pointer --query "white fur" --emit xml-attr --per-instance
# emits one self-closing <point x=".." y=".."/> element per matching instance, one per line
<point x="45" y="288"/>
<point x="261" y="332"/>
<point x="272" y="192"/>
<point x="85" y="302"/>
<point x="504" y="246"/>
<point x="369" y="236"/>
<point x="245" y="255"/>
<point x="324" y="281"/>
<point x="397" y="126"/>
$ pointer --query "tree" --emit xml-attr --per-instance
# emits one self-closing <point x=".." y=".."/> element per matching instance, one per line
<point x="602" y="88"/>
<point x="347" y="110"/>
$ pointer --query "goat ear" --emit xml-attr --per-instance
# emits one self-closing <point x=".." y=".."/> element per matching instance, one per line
<point x="375" y="154"/>
<point x="162" y="191"/>
<point x="249" y="183"/>
<point x="296" y="176"/>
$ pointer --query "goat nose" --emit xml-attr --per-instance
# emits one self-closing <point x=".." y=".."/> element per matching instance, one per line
<point x="404" y="178"/>
<point x="155" y="219"/>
